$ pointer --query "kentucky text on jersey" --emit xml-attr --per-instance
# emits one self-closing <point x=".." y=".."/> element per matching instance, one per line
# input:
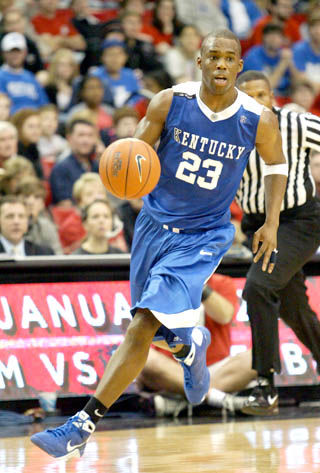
<point x="210" y="146"/>
<point x="203" y="155"/>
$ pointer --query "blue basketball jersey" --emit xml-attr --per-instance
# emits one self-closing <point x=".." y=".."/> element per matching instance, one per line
<point x="203" y="156"/>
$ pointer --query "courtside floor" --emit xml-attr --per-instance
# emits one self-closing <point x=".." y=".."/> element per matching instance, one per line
<point x="288" y="443"/>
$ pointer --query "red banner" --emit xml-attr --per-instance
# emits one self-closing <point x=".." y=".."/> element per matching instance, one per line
<point x="58" y="337"/>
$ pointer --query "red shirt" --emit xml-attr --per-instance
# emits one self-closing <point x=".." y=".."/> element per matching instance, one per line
<point x="291" y="30"/>
<point x="60" y="25"/>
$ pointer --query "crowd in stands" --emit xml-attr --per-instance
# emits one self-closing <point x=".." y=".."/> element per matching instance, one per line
<point x="75" y="75"/>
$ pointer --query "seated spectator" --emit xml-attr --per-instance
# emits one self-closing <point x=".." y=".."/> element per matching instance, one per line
<point x="18" y="83"/>
<point x="55" y="29"/>
<point x="41" y="229"/>
<point x="62" y="71"/>
<point x="180" y="61"/>
<point x="91" y="93"/>
<point x="125" y="121"/>
<point x="142" y="56"/>
<point x="85" y="190"/>
<point x="27" y="122"/>
<point x="306" y="54"/>
<point x="205" y="15"/>
<point x="121" y="80"/>
<point x="129" y="211"/>
<point x="273" y="59"/>
<point x="8" y="141"/>
<point x="165" y="26"/>
<point x="280" y="13"/>
<point x="143" y="7"/>
<point x="5" y="106"/>
<point x="82" y="137"/>
<point x="315" y="170"/>
<point x="97" y="219"/>
<point x="13" y="227"/>
<point x="14" y="21"/>
<point x="164" y="375"/>
<point x="50" y="144"/>
<point x="14" y="169"/>
<point x="302" y="97"/>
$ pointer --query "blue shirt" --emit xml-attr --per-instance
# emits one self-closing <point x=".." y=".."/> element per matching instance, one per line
<point x="65" y="174"/>
<point x="250" y="9"/>
<point x="306" y="60"/>
<point x="22" y="88"/>
<point x="124" y="89"/>
<point x="258" y="60"/>
<point x="203" y="156"/>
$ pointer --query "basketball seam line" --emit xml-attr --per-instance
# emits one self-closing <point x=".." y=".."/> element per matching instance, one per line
<point x="127" y="171"/>
<point x="146" y="181"/>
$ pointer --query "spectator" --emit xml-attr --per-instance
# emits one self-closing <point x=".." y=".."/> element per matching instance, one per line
<point x="62" y="71"/>
<point x="82" y="138"/>
<point x="85" y="190"/>
<point x="241" y="16"/>
<point x="315" y="170"/>
<point x="41" y="229"/>
<point x="180" y="61"/>
<point x="50" y="144"/>
<point x="273" y="59"/>
<point x="14" y="169"/>
<point x="144" y="8"/>
<point x="55" y="29"/>
<point x="122" y="81"/>
<point x="97" y="219"/>
<point x="91" y="91"/>
<point x="27" y="122"/>
<point x="8" y="141"/>
<point x="5" y="106"/>
<point x="125" y="123"/>
<point x="18" y="83"/>
<point x="302" y="97"/>
<point x="13" y="226"/>
<point x="141" y="54"/>
<point x="15" y="22"/>
<point x="205" y="15"/>
<point x="165" y="26"/>
<point x="306" y="54"/>
<point x="280" y="13"/>
<point x="129" y="211"/>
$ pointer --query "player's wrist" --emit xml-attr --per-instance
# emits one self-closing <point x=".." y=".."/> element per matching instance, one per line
<point x="206" y="293"/>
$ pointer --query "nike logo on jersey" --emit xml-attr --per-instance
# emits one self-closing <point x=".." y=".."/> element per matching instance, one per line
<point x="203" y="252"/>
<point x="70" y="447"/>
<point x="272" y="400"/>
<point x="97" y="413"/>
<point x="140" y="158"/>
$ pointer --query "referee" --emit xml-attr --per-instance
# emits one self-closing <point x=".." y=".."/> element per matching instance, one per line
<point x="283" y="292"/>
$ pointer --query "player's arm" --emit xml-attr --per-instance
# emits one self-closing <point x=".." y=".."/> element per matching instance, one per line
<point x="150" y="127"/>
<point x="269" y="146"/>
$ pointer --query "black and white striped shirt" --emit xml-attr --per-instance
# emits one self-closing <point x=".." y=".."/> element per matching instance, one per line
<point x="300" y="134"/>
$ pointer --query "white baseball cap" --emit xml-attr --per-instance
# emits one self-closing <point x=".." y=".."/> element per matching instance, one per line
<point x="13" y="41"/>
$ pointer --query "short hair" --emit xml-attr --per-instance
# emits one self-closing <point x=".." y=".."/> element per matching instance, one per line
<point x="7" y="126"/>
<point x="50" y="107"/>
<point x="86" y="178"/>
<point x="77" y="121"/>
<point x="11" y="199"/>
<point x="248" y="76"/>
<point x="123" y="112"/>
<point x="18" y="164"/>
<point x="221" y="33"/>
<point x="272" y="28"/>
<point x="31" y="185"/>
<point x="85" y="211"/>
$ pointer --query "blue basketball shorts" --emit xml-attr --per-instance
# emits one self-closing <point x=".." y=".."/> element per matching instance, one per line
<point x="168" y="271"/>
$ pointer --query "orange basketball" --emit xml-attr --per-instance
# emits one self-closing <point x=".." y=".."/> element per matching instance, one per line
<point x="129" y="168"/>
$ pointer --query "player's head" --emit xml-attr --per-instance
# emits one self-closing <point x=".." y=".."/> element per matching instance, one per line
<point x="257" y="85"/>
<point x="220" y="61"/>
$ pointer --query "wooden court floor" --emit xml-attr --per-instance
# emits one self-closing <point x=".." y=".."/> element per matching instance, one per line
<point x="270" y="446"/>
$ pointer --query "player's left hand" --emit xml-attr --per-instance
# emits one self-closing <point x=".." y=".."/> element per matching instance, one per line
<point x="264" y="243"/>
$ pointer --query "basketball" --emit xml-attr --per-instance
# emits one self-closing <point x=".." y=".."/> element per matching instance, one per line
<point x="129" y="168"/>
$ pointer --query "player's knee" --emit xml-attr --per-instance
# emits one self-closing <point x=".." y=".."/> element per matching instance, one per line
<point x="142" y="328"/>
<point x="252" y="291"/>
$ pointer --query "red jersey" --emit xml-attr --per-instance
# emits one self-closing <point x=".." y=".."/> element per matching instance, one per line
<point x="60" y="25"/>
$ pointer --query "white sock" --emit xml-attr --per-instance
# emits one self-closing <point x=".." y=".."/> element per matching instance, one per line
<point x="215" y="397"/>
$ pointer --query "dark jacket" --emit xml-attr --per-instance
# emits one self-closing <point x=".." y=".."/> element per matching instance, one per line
<point x="31" y="249"/>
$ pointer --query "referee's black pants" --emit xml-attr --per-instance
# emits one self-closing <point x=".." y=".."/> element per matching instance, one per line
<point x="283" y="292"/>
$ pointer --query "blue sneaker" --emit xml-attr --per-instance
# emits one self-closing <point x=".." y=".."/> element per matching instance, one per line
<point x="66" y="441"/>
<point x="196" y="373"/>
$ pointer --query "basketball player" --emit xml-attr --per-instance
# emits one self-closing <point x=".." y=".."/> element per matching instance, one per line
<point x="282" y="293"/>
<point x="207" y="130"/>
